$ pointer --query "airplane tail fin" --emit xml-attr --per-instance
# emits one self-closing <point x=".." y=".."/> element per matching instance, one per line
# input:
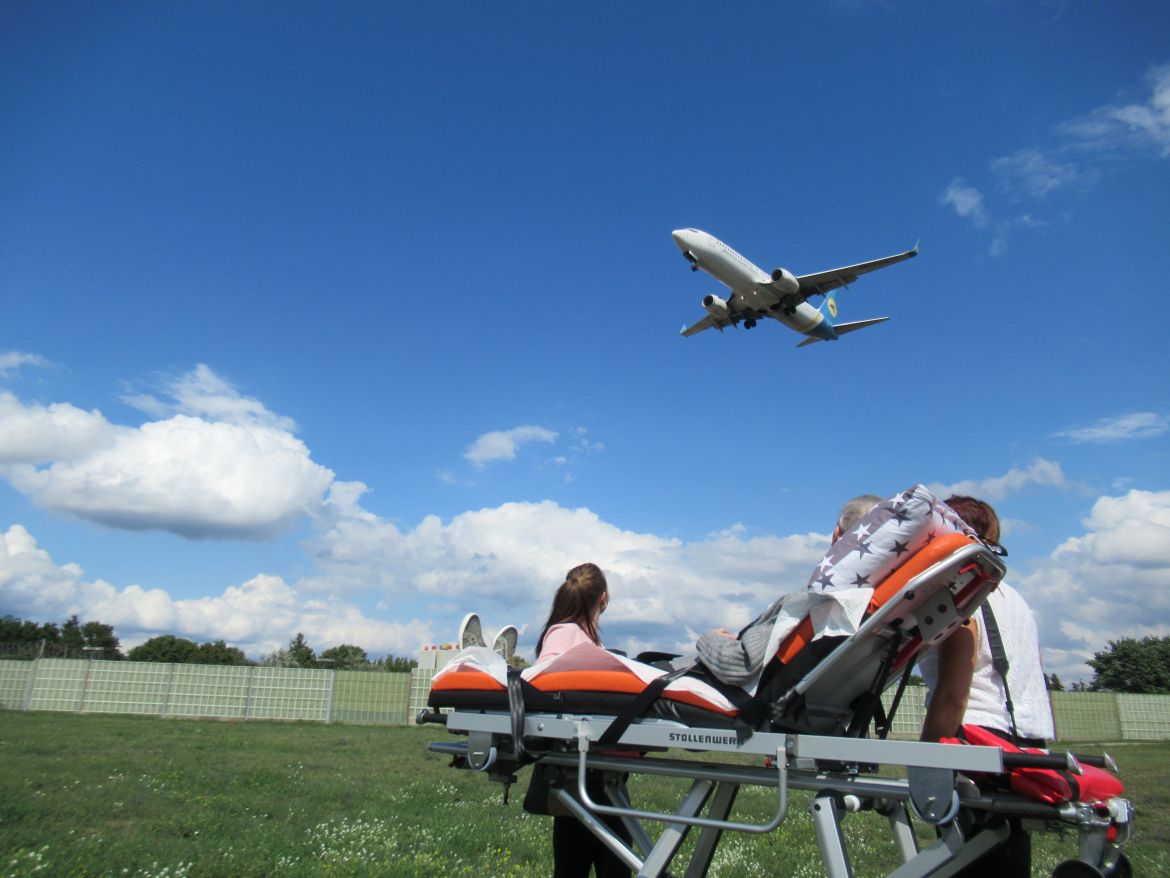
<point x="829" y="308"/>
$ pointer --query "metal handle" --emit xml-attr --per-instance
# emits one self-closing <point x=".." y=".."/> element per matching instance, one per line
<point x="758" y="828"/>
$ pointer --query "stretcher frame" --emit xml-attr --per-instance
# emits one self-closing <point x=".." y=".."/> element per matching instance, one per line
<point x="834" y="767"/>
<point x="829" y="767"/>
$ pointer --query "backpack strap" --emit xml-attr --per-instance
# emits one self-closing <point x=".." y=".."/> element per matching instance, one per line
<point x="999" y="662"/>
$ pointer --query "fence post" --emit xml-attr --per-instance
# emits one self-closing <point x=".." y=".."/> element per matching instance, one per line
<point x="166" y="705"/>
<point x="30" y="684"/>
<point x="329" y="698"/>
<point x="84" y="686"/>
<point x="248" y="697"/>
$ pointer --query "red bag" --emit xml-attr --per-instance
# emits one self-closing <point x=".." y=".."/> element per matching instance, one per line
<point x="1046" y="784"/>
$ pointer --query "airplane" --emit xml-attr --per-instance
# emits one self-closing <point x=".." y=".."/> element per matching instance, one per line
<point x="780" y="295"/>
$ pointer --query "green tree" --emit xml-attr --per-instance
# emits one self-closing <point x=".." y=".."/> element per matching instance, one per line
<point x="219" y="653"/>
<point x="1052" y="683"/>
<point x="1129" y="665"/>
<point x="71" y="637"/>
<point x="49" y="632"/>
<point x="101" y="637"/>
<point x="12" y="630"/>
<point x="346" y="657"/>
<point x="280" y="658"/>
<point x="398" y="664"/>
<point x="165" y="648"/>
<point x="301" y="653"/>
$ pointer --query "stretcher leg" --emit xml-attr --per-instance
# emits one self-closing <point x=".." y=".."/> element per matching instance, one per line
<point x="604" y="833"/>
<point x="902" y="830"/>
<point x="674" y="834"/>
<point x="621" y="797"/>
<point x="826" y="815"/>
<point x="725" y="794"/>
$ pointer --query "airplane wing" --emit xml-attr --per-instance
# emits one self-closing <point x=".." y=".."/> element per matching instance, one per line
<point x="706" y="323"/>
<point x="826" y="281"/>
<point x="842" y="328"/>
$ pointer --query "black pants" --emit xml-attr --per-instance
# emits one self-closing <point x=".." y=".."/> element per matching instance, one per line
<point x="576" y="850"/>
<point x="1011" y="859"/>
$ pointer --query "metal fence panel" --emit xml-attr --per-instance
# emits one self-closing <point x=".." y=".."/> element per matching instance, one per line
<point x="59" y="684"/>
<point x="208" y="690"/>
<point x="370" y="697"/>
<point x="911" y="711"/>
<point x="1086" y="716"/>
<point x="126" y="687"/>
<point x="14" y="679"/>
<point x="290" y="693"/>
<point x="1144" y="717"/>
<point x="420" y="691"/>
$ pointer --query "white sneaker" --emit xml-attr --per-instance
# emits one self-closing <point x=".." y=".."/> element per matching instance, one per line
<point x="505" y="642"/>
<point x="470" y="632"/>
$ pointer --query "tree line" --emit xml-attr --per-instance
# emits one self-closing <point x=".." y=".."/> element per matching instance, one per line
<point x="20" y="638"/>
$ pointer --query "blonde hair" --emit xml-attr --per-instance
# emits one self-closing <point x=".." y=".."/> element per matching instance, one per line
<point x="852" y="511"/>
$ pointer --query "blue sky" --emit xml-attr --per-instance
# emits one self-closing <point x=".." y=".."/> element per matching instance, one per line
<point x="350" y="320"/>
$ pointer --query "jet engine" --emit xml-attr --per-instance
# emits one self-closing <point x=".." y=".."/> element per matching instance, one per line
<point x="715" y="306"/>
<point x="785" y="282"/>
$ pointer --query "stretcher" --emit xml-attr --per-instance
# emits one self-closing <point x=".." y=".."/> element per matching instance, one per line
<point x="806" y="719"/>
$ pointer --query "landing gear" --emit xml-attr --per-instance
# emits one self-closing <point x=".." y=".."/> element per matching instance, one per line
<point x="749" y="323"/>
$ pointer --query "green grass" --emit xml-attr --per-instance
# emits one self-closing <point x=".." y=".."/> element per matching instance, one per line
<point x="133" y="796"/>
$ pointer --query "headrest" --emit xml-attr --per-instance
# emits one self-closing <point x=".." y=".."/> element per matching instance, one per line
<point x="885" y="537"/>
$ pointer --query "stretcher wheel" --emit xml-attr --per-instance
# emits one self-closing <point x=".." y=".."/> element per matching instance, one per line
<point x="1076" y="869"/>
<point x="1121" y="869"/>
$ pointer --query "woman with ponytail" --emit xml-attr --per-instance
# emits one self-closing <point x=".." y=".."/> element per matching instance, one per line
<point x="576" y="609"/>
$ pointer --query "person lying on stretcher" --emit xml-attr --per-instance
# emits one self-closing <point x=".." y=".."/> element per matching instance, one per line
<point x="871" y="539"/>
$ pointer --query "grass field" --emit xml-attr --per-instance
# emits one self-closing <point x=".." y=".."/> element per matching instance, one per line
<point x="131" y="796"/>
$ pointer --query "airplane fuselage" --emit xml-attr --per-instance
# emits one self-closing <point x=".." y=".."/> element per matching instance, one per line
<point x="744" y="278"/>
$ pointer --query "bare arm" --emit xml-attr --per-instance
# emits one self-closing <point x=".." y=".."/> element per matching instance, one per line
<point x="956" y="667"/>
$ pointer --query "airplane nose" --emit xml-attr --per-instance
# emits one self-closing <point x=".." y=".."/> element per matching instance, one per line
<point x="680" y="238"/>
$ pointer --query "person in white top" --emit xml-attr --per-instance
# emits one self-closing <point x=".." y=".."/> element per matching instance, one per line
<point x="1016" y="711"/>
<point x="986" y="704"/>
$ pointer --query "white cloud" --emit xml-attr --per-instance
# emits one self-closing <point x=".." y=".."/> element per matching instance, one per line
<point x="967" y="201"/>
<point x="582" y="444"/>
<point x="32" y="433"/>
<point x="203" y="394"/>
<point x="1107" y="584"/>
<point x="13" y="360"/>
<point x="503" y="444"/>
<point x="234" y="472"/>
<point x="258" y="616"/>
<point x="1135" y="425"/>
<point x="1045" y="473"/>
<point x="1033" y="173"/>
<point x="1118" y="130"/>
<point x="506" y="562"/>
<point x="1144" y="125"/>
